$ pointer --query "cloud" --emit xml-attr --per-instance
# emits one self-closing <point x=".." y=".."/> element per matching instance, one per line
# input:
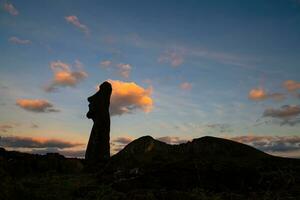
<point x="285" y="111"/>
<point x="186" y="86"/>
<point x="64" y="76"/>
<point x="123" y="140"/>
<point x="128" y="97"/>
<point x="291" y="85"/>
<point x="174" y="58"/>
<point x="172" y="140"/>
<point x="29" y="142"/>
<point x="119" y="143"/>
<point x="33" y="125"/>
<point x="259" y="94"/>
<point x="11" y="9"/>
<point x="66" y="153"/>
<point x="36" y="105"/>
<point x="105" y="63"/>
<point x="222" y="128"/>
<point x="75" y="21"/>
<point x="271" y="144"/>
<point x="287" y="114"/>
<point x="16" y="40"/>
<point x="124" y="70"/>
<point x="4" y="128"/>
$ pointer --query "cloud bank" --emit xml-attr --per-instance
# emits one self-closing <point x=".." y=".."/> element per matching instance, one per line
<point x="29" y="142"/>
<point x="286" y="114"/>
<point x="271" y="144"/>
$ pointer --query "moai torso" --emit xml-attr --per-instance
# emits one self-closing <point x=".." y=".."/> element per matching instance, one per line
<point x="98" y="149"/>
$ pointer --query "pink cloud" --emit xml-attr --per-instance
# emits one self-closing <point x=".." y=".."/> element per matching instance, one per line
<point x="186" y="86"/>
<point x="11" y="9"/>
<point x="16" y="40"/>
<point x="72" y="19"/>
<point x="174" y="58"/>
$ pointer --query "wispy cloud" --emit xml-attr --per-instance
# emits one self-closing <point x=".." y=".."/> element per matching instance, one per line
<point x="64" y="76"/>
<point x="36" y="105"/>
<point x="172" y="140"/>
<point x="29" y="142"/>
<point x="172" y="57"/>
<point x="72" y="19"/>
<point x="259" y="94"/>
<point x="128" y="97"/>
<point x="10" y="8"/>
<point x="65" y="152"/>
<point x="124" y="70"/>
<point x="105" y="63"/>
<point x="287" y="114"/>
<point x="291" y="85"/>
<point x="122" y="140"/>
<point x="222" y="128"/>
<point x="16" y="40"/>
<point x="119" y="143"/>
<point x="4" y="128"/>
<point x="186" y="86"/>
<point x="271" y="144"/>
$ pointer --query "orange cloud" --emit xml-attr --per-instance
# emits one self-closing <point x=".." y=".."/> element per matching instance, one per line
<point x="4" y="128"/>
<point x="64" y="76"/>
<point x="291" y="85"/>
<point x="29" y="142"/>
<point x="186" y="86"/>
<point x="11" y="9"/>
<point x="36" y="105"/>
<point x="75" y="21"/>
<point x="17" y="40"/>
<point x="259" y="94"/>
<point x="128" y="96"/>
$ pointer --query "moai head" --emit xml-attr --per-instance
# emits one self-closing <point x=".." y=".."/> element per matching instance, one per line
<point x="99" y="102"/>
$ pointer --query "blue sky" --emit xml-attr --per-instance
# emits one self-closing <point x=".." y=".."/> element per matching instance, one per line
<point x="221" y="68"/>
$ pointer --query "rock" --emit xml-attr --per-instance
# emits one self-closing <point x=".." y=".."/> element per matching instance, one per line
<point x="98" y="149"/>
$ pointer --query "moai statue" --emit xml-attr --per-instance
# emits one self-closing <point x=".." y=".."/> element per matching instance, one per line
<point x="98" y="149"/>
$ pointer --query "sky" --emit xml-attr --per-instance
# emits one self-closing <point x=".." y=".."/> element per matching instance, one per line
<point x="179" y="70"/>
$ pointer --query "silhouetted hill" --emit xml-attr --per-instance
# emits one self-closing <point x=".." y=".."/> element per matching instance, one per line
<point x="214" y="164"/>
<point x="205" y="168"/>
<point x="146" y="150"/>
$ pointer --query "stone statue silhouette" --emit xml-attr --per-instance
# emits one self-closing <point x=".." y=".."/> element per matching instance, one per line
<point x="98" y="149"/>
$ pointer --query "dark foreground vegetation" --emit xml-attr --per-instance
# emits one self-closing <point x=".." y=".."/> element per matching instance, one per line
<point x="206" y="168"/>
